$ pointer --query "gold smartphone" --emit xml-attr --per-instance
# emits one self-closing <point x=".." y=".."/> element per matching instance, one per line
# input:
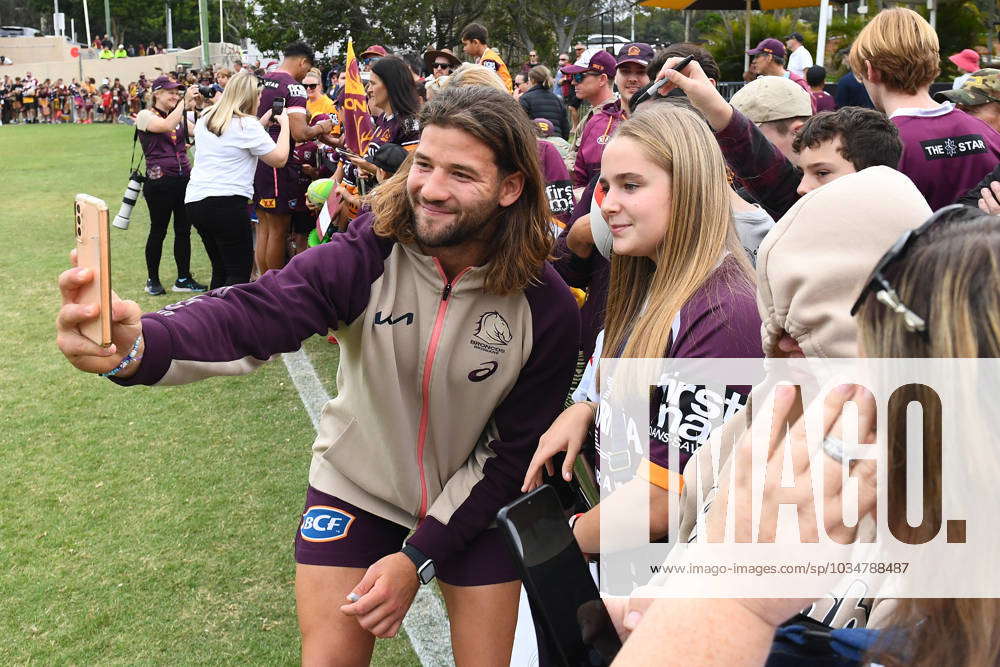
<point x="93" y="251"/>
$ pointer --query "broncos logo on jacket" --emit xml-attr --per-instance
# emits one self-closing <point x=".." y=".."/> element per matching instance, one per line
<point x="492" y="329"/>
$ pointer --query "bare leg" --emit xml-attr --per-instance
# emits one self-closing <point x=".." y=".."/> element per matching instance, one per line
<point x="329" y="638"/>
<point x="272" y="228"/>
<point x="468" y="607"/>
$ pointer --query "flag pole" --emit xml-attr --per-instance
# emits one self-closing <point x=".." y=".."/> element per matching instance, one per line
<point x="746" y="39"/>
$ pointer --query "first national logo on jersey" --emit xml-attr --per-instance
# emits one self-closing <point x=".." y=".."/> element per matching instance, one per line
<point x="322" y="523"/>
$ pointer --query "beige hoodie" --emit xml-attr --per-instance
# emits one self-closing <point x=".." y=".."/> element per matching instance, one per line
<point x="810" y="269"/>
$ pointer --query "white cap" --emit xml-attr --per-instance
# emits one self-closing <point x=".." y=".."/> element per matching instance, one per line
<point x="768" y="98"/>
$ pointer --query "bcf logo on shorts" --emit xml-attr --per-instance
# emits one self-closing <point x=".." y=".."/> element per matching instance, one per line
<point x="322" y="523"/>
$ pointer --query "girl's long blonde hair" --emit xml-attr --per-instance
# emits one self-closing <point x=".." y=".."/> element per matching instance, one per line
<point x="644" y="297"/>
<point x="239" y="99"/>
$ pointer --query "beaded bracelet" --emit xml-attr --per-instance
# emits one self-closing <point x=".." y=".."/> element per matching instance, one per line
<point x="129" y="358"/>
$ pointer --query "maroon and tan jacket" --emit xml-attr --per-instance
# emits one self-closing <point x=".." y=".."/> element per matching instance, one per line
<point x="442" y="390"/>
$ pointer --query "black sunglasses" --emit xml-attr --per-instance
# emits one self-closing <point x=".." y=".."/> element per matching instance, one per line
<point x="442" y="65"/>
<point x="310" y="86"/>
<point x="879" y="284"/>
<point x="579" y="76"/>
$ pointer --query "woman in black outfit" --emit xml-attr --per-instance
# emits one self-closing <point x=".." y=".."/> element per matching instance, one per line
<point x="539" y="101"/>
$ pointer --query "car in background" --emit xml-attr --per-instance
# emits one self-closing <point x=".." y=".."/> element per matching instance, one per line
<point x="17" y="31"/>
<point x="608" y="42"/>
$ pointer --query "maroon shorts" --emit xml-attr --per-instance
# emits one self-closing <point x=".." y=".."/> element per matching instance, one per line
<point x="335" y="533"/>
<point x="274" y="189"/>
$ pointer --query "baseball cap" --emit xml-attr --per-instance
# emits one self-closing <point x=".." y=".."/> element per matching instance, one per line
<point x="389" y="157"/>
<point x="374" y="50"/>
<point x="770" y="46"/>
<point x="966" y="60"/>
<point x="636" y="52"/>
<point x="164" y="83"/>
<point x="768" y="98"/>
<point x="599" y="61"/>
<point x="797" y="36"/>
<point x="544" y="126"/>
<point x="982" y="87"/>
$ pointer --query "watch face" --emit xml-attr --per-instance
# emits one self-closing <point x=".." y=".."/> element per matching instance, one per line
<point x="427" y="573"/>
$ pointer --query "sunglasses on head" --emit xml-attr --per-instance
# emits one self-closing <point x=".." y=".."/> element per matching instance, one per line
<point x="442" y="65"/>
<point x="878" y="283"/>
<point x="580" y="76"/>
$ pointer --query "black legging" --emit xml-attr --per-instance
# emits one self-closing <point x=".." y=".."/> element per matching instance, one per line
<point x="165" y="197"/>
<point x="224" y="225"/>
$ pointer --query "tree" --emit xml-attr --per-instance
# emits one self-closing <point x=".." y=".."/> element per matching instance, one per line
<point x="140" y="21"/>
<point x="515" y="26"/>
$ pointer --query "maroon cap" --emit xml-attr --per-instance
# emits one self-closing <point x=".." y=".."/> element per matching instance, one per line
<point x="636" y="52"/>
<point x="599" y="61"/>
<point x="544" y="126"/>
<point x="374" y="50"/>
<point x="165" y="83"/>
<point x="770" y="46"/>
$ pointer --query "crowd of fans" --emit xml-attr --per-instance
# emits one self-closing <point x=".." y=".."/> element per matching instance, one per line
<point x="678" y="224"/>
<point x="25" y="99"/>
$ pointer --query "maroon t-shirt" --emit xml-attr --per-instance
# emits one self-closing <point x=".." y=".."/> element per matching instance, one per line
<point x="388" y="130"/>
<point x="558" y="187"/>
<point x="720" y="321"/>
<point x="823" y="101"/>
<point x="946" y="153"/>
<point x="302" y="154"/>
<point x="281" y="84"/>
<point x="165" y="152"/>
<point x="278" y="84"/>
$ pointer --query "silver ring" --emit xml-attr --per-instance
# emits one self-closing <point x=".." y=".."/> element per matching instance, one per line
<point x="834" y="447"/>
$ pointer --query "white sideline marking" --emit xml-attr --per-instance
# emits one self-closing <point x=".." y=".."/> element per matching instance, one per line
<point x="426" y="623"/>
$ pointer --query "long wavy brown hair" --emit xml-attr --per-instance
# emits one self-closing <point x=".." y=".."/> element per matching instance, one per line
<point x="951" y="277"/>
<point x="523" y="239"/>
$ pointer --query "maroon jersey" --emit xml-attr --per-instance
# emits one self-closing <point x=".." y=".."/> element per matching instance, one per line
<point x="281" y="84"/>
<point x="388" y="130"/>
<point x="945" y="151"/>
<point x="302" y="154"/>
<point x="274" y="189"/>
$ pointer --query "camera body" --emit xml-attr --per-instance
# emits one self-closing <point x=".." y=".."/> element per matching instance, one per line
<point x="208" y="92"/>
<point x="131" y="196"/>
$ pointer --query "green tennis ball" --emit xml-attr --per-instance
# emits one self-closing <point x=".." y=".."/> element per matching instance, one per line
<point x="320" y="190"/>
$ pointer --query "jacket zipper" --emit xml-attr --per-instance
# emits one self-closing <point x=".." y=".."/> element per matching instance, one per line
<point x="425" y="383"/>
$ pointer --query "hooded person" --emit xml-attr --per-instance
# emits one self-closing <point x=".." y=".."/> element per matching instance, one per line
<point x="805" y="290"/>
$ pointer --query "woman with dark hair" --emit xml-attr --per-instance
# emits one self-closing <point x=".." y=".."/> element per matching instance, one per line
<point x="393" y="91"/>
<point x="540" y="102"/>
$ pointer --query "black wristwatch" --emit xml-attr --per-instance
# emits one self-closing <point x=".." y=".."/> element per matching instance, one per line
<point x="425" y="566"/>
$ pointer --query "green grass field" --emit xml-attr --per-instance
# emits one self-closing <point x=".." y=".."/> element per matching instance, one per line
<point x="139" y="526"/>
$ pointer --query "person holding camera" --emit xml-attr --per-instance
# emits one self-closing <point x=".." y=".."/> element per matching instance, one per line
<point x="162" y="131"/>
<point x="228" y="141"/>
